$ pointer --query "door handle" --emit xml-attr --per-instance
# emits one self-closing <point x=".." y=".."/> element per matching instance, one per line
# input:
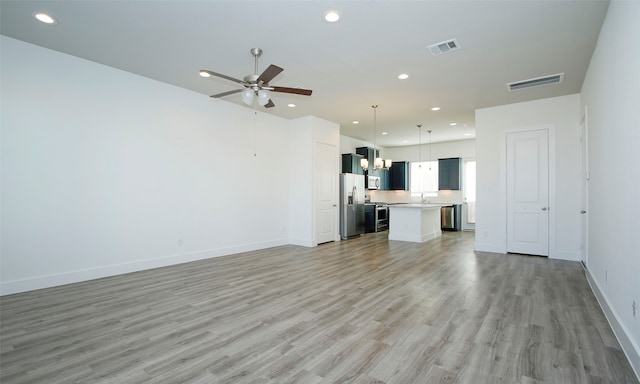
<point x="544" y="208"/>
<point x="582" y="211"/>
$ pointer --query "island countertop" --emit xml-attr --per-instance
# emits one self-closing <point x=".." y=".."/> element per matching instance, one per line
<point x="417" y="205"/>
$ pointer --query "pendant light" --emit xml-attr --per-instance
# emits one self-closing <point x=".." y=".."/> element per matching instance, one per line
<point x="364" y="163"/>
<point x="378" y="163"/>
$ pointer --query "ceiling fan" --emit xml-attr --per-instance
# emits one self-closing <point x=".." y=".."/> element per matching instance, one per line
<point x="257" y="85"/>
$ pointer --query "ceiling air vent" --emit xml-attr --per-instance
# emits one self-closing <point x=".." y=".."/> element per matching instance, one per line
<point x="544" y="80"/>
<point x="444" y="47"/>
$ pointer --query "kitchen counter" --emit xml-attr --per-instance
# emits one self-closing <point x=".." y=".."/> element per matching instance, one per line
<point x="414" y="222"/>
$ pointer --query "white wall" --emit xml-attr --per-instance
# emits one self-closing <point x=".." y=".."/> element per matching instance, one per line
<point x="106" y="172"/>
<point x="349" y="145"/>
<point x="563" y="115"/>
<point x="301" y="182"/>
<point x="611" y="93"/>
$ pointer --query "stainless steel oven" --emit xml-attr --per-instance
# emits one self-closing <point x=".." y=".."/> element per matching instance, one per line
<point x="382" y="217"/>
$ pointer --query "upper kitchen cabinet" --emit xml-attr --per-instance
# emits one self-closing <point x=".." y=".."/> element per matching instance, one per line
<point x="399" y="176"/>
<point x="384" y="179"/>
<point x="449" y="174"/>
<point x="351" y="163"/>
<point x="368" y="153"/>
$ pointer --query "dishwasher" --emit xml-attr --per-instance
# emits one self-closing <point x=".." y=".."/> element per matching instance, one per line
<point x="450" y="217"/>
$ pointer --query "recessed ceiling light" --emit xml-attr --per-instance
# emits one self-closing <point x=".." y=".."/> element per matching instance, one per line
<point x="467" y="134"/>
<point x="332" y="16"/>
<point x="356" y="122"/>
<point x="43" y="17"/>
<point x="291" y="105"/>
<point x="385" y="133"/>
<point x="435" y="108"/>
<point x="204" y="73"/>
<point x="453" y="124"/>
<point x="403" y="76"/>
<point x="405" y="141"/>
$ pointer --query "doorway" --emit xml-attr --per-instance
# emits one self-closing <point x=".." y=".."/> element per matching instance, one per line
<point x="528" y="192"/>
<point x="326" y="192"/>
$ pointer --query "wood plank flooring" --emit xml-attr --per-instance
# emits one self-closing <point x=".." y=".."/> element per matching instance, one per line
<point x="365" y="310"/>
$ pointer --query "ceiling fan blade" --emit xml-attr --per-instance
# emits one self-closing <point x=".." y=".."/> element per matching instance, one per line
<point x="227" y="93"/>
<point x="297" y="91"/>
<point x="211" y="73"/>
<point x="269" y="104"/>
<point x="269" y="74"/>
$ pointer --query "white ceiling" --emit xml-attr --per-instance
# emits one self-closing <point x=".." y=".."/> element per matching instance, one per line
<point x="350" y="64"/>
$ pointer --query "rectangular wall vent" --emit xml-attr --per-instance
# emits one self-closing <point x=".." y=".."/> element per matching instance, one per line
<point x="444" y="47"/>
<point x="544" y="80"/>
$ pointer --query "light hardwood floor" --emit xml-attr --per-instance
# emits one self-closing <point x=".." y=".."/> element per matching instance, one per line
<point x="360" y="311"/>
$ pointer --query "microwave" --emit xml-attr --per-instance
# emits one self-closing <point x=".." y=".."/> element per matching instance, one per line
<point x="373" y="182"/>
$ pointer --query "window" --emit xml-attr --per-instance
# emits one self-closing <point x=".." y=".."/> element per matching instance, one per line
<point x="424" y="178"/>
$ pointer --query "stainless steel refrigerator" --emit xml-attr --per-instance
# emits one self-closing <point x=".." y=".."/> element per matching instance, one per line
<point x="351" y="205"/>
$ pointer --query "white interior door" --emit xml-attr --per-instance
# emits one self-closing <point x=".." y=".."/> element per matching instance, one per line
<point x="528" y="192"/>
<point x="469" y="194"/>
<point x="584" y="195"/>
<point x="326" y="177"/>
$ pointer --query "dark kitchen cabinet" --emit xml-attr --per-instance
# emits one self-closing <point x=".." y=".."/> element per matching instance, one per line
<point x="369" y="218"/>
<point x="368" y="153"/>
<point x="399" y="176"/>
<point x="351" y="163"/>
<point x="384" y="179"/>
<point x="449" y="174"/>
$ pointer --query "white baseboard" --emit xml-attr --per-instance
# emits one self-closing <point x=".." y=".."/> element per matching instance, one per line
<point x="48" y="281"/>
<point x="493" y="248"/>
<point x="565" y="255"/>
<point x="302" y="242"/>
<point x="629" y="347"/>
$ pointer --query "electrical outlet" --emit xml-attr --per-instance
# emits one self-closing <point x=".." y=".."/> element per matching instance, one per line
<point x="634" y="308"/>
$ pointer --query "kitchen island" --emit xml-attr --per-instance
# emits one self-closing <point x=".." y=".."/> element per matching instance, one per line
<point x="414" y="222"/>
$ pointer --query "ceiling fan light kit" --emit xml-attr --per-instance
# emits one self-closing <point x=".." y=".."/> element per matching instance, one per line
<point x="247" y="96"/>
<point x="257" y="86"/>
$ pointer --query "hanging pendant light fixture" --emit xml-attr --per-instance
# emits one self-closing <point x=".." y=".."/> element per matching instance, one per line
<point x="364" y="163"/>
<point x="378" y="163"/>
